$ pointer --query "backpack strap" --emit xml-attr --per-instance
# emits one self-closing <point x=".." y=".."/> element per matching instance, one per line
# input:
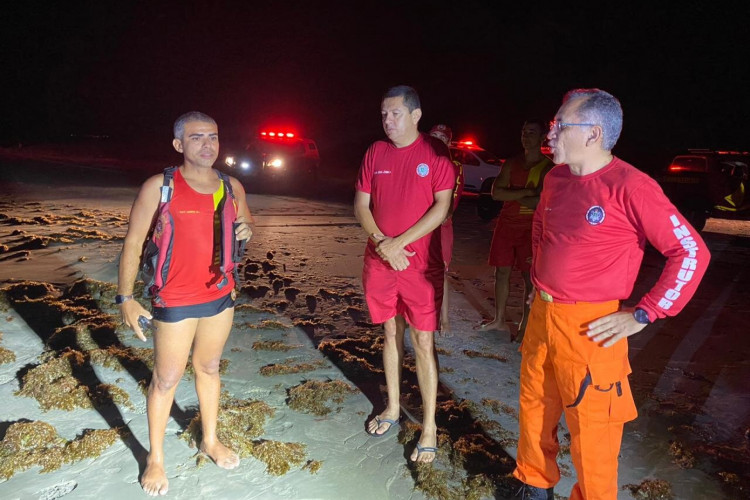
<point x="166" y="188"/>
<point x="238" y="248"/>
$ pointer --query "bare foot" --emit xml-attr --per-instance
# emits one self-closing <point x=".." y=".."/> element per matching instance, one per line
<point x="154" y="480"/>
<point x="445" y="329"/>
<point x="381" y="424"/>
<point x="426" y="449"/>
<point x="496" y="324"/>
<point x="221" y="455"/>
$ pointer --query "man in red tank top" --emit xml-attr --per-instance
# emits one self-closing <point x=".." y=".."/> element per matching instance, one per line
<point x="195" y="314"/>
<point x="518" y="186"/>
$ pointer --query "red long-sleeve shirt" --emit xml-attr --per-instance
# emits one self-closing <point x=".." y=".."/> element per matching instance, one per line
<point x="589" y="234"/>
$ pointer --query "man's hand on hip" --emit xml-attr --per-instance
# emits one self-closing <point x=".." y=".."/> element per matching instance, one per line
<point x="613" y="327"/>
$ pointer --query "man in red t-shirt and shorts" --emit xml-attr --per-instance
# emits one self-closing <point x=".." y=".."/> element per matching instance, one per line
<point x="518" y="186"/>
<point x="403" y="193"/>
<point x="444" y="133"/>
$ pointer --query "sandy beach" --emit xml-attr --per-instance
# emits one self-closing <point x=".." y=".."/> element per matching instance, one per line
<point x="302" y="330"/>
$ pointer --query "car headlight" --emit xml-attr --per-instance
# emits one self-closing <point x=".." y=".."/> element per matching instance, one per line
<point x="276" y="163"/>
<point x="230" y="161"/>
<point x="245" y="165"/>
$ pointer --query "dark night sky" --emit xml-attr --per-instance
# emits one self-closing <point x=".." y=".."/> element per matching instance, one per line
<point x="128" y="69"/>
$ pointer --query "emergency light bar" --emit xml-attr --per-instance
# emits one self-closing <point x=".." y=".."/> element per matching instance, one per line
<point x="277" y="135"/>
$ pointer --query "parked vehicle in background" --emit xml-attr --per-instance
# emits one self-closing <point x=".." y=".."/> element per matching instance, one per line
<point x="480" y="166"/>
<point x="480" y="169"/>
<point x="706" y="183"/>
<point x="275" y="155"/>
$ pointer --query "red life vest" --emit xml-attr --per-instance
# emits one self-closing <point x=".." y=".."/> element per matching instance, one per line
<point x="157" y="253"/>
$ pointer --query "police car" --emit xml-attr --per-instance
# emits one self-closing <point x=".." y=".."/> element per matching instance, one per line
<point x="706" y="183"/>
<point x="276" y="153"/>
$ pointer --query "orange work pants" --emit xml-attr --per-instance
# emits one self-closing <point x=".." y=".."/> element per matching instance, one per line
<point x="562" y="370"/>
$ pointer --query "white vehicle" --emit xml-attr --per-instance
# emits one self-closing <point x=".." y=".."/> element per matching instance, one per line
<point x="480" y="166"/>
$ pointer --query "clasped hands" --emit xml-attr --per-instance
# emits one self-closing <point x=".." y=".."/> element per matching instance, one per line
<point x="392" y="252"/>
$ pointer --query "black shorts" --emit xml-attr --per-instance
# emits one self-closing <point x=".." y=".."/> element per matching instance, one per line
<point x="205" y="310"/>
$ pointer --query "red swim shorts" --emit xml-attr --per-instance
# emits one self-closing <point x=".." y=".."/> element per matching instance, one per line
<point x="416" y="295"/>
<point x="511" y="246"/>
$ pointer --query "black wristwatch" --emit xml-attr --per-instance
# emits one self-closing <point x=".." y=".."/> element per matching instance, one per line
<point x="119" y="299"/>
<point x="641" y="316"/>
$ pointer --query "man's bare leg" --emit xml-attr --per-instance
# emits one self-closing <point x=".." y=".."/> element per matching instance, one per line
<point x="171" y="349"/>
<point x="210" y="337"/>
<point x="445" y="324"/>
<point x="393" y="359"/>
<point x="427" y="375"/>
<point x="526" y="307"/>
<point x="502" y="286"/>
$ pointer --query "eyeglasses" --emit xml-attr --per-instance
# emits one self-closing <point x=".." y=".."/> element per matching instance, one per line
<point x="557" y="126"/>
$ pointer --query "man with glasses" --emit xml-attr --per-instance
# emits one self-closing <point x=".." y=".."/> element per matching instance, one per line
<point x="518" y="186"/>
<point x="595" y="214"/>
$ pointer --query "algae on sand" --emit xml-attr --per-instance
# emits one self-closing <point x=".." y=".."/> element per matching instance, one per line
<point x="6" y="355"/>
<point x="311" y="396"/>
<point x="53" y="385"/>
<point x="289" y="367"/>
<point x="278" y="456"/>
<point x="27" y="444"/>
<point x="240" y="421"/>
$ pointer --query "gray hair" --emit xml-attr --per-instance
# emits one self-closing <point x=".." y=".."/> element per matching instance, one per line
<point x="411" y="98"/>
<point x="602" y="108"/>
<point x="192" y="116"/>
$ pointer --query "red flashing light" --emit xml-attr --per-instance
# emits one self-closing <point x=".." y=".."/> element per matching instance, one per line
<point x="278" y="135"/>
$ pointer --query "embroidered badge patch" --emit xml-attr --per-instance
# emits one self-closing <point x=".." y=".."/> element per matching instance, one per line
<point x="423" y="170"/>
<point x="595" y="215"/>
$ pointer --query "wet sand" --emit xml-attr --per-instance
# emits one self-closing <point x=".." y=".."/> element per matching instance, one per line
<point x="301" y="288"/>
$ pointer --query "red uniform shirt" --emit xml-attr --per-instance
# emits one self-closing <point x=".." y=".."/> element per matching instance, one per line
<point x="402" y="183"/>
<point x="590" y="232"/>
<point x="196" y="248"/>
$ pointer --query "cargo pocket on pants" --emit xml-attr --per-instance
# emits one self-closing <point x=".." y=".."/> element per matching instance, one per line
<point x="604" y="394"/>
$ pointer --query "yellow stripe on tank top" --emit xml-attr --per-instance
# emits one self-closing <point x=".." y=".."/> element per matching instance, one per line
<point x="219" y="194"/>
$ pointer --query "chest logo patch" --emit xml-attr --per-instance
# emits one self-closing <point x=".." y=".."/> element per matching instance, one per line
<point x="423" y="170"/>
<point x="595" y="215"/>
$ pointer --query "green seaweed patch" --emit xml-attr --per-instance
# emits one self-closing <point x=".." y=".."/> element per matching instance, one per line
<point x="118" y="357"/>
<point x="503" y="436"/>
<point x="681" y="456"/>
<point x="268" y="324"/>
<point x="273" y="345"/>
<point x="239" y="422"/>
<point x="448" y="483"/>
<point x="312" y="466"/>
<point x="312" y="395"/>
<point x="498" y="406"/>
<point x="252" y="309"/>
<point x="288" y="367"/>
<point x="488" y="355"/>
<point x="6" y="356"/>
<point x="278" y="456"/>
<point x="651" y="489"/>
<point x="53" y="385"/>
<point x="446" y="369"/>
<point x="27" y="444"/>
